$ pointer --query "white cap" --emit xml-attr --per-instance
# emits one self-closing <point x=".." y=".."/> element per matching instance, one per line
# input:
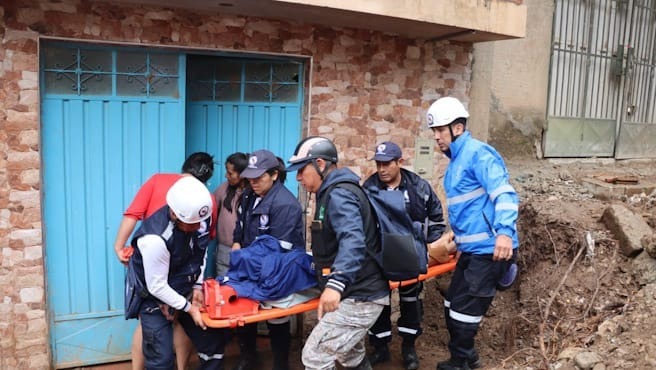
<point x="189" y="200"/>
<point x="444" y="111"/>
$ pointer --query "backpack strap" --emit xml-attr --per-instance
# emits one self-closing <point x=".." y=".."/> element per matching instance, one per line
<point x="364" y="203"/>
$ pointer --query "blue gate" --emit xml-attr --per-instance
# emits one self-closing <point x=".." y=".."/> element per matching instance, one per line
<point x="243" y="105"/>
<point x="110" y="119"/>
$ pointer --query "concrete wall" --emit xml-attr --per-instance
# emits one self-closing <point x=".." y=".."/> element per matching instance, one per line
<point x="366" y="87"/>
<point x="509" y="86"/>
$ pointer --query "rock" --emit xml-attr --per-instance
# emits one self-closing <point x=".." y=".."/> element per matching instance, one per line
<point x="587" y="360"/>
<point x="644" y="269"/>
<point x="608" y="328"/>
<point x="563" y="365"/>
<point x="599" y="366"/>
<point x="627" y="227"/>
<point x="569" y="352"/>
<point x="648" y="242"/>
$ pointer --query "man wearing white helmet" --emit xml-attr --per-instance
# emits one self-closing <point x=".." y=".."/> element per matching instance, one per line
<point x="165" y="274"/>
<point x="483" y="209"/>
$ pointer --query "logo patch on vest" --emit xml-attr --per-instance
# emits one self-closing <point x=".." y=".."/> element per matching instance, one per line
<point x="264" y="221"/>
<point x="203" y="211"/>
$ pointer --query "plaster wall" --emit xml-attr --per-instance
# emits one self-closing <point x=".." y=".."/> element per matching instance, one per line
<point x="509" y="86"/>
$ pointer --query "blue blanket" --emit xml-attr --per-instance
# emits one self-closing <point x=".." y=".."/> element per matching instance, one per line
<point x="265" y="271"/>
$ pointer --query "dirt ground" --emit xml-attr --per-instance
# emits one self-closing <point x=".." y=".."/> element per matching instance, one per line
<point x="598" y="301"/>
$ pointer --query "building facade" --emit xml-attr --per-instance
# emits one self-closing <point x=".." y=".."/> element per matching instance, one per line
<point x="97" y="96"/>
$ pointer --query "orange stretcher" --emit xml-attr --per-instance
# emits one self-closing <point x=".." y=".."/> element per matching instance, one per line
<point x="274" y="313"/>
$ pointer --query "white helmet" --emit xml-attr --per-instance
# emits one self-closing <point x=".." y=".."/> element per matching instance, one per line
<point x="444" y="111"/>
<point x="189" y="200"/>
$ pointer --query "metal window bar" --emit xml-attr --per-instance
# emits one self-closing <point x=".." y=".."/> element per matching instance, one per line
<point x="584" y="81"/>
<point x="640" y="89"/>
<point x="78" y="71"/>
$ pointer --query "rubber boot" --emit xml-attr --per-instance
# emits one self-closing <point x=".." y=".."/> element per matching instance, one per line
<point x="410" y="358"/>
<point x="379" y="355"/>
<point x="364" y="365"/>
<point x="280" y="342"/>
<point x="247" y="336"/>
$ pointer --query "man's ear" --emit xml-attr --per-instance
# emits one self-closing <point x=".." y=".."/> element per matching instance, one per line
<point x="458" y="128"/>
<point x="321" y="163"/>
<point x="401" y="160"/>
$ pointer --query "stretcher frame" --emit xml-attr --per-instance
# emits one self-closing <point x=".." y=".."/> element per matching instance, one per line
<point x="274" y="313"/>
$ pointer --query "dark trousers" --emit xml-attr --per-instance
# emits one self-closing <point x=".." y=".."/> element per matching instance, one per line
<point x="409" y="323"/>
<point x="158" y="339"/>
<point x="472" y="289"/>
<point x="279" y="334"/>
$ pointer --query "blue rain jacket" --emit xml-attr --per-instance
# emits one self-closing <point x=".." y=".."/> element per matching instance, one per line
<point x="481" y="201"/>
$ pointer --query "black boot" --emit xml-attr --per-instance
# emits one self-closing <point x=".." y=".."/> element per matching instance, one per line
<point x="247" y="336"/>
<point x="453" y="364"/>
<point x="280" y="361"/>
<point x="379" y="355"/>
<point x="410" y="358"/>
<point x="364" y="365"/>
<point x="246" y="362"/>
<point x="280" y="337"/>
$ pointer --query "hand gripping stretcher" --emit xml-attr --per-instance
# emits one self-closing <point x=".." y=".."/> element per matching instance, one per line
<point x="247" y="311"/>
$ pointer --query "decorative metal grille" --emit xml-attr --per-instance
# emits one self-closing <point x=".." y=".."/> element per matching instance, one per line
<point x="81" y="71"/>
<point x="226" y="79"/>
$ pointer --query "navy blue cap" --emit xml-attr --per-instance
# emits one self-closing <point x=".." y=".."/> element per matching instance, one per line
<point x="259" y="162"/>
<point x="387" y="151"/>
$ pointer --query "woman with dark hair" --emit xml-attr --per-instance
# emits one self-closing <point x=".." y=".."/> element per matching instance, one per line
<point x="228" y="195"/>
<point x="200" y="165"/>
<point x="282" y="170"/>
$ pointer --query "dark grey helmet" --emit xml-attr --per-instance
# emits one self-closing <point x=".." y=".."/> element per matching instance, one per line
<point x="312" y="148"/>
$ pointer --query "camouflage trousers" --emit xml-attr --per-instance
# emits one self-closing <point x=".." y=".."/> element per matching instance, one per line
<point x="340" y="334"/>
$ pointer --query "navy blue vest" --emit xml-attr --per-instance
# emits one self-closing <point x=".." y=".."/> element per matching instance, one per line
<point x="187" y="250"/>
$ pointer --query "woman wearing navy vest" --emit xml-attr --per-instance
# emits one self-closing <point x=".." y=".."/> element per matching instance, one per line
<point x="267" y="208"/>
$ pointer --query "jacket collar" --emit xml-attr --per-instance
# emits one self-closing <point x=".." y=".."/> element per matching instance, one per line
<point x="456" y="146"/>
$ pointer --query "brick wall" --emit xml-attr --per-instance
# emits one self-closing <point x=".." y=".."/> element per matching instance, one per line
<point x="365" y="87"/>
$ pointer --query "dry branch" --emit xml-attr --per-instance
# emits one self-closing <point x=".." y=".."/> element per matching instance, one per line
<point x="545" y="318"/>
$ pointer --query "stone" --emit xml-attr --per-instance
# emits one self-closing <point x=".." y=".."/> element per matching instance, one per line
<point x="31" y="295"/>
<point x="627" y="227"/>
<point x="608" y="328"/>
<point x="586" y="360"/>
<point x="33" y="252"/>
<point x="643" y="268"/>
<point x="30" y="237"/>
<point x="648" y="242"/>
<point x="569" y="353"/>
<point x="413" y="52"/>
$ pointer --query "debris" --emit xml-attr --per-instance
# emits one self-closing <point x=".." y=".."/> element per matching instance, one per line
<point x="622" y="180"/>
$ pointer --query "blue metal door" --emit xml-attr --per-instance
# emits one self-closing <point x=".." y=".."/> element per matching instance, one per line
<point x="110" y="119"/>
<point x="243" y="105"/>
